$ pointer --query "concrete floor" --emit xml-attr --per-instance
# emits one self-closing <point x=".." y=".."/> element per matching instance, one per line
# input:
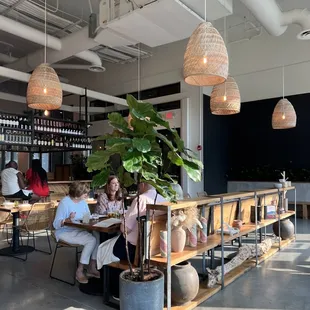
<point x="280" y="283"/>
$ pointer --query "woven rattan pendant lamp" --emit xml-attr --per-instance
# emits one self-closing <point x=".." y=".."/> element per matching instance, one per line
<point x="284" y="115"/>
<point x="225" y="97"/>
<point x="205" y="58"/>
<point x="44" y="89"/>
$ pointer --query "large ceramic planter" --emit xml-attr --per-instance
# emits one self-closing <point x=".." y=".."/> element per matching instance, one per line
<point x="286" y="229"/>
<point x="178" y="239"/>
<point x="184" y="283"/>
<point x="141" y="295"/>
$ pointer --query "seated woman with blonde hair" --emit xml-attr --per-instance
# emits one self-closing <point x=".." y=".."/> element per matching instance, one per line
<point x="111" y="199"/>
<point x="73" y="208"/>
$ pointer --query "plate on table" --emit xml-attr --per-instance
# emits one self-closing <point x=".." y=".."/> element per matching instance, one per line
<point x="8" y="204"/>
<point x="24" y="205"/>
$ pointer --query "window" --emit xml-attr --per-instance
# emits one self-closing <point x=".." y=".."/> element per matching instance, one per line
<point x="45" y="158"/>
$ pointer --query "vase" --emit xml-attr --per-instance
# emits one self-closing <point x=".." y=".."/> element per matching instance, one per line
<point x="184" y="283"/>
<point x="136" y="295"/>
<point x="178" y="239"/>
<point x="286" y="229"/>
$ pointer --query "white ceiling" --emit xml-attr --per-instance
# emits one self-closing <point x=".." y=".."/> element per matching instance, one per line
<point x="72" y="15"/>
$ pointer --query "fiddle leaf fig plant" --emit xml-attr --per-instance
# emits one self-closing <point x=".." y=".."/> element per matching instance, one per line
<point x="138" y="145"/>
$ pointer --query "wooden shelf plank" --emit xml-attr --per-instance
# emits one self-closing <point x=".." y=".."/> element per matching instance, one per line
<point x="205" y="293"/>
<point x="213" y="241"/>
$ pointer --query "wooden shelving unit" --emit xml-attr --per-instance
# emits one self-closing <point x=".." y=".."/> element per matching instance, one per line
<point x="215" y="240"/>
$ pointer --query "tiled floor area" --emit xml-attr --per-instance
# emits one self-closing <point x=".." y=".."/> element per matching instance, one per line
<point x="282" y="282"/>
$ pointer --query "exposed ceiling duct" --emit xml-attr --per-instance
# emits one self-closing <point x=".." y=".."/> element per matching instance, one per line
<point x="268" y="13"/>
<point x="167" y="20"/>
<point x="38" y="37"/>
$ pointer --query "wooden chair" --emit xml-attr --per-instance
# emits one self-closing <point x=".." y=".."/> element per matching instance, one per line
<point x="63" y="244"/>
<point x="40" y="218"/>
<point x="5" y="220"/>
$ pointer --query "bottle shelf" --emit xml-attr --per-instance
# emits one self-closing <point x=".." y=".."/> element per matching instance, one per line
<point x="26" y="133"/>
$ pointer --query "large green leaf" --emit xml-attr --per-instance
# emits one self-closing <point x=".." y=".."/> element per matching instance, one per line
<point x="142" y="145"/>
<point x="116" y="120"/>
<point x="141" y="126"/>
<point x="97" y="161"/>
<point x="153" y="158"/>
<point x="128" y="180"/>
<point x="164" y="188"/>
<point x="115" y="140"/>
<point x="193" y="170"/>
<point x="175" y="158"/>
<point x="147" y="175"/>
<point x="139" y="109"/>
<point x="165" y="140"/>
<point x="132" y="161"/>
<point x="101" y="178"/>
<point x="196" y="161"/>
<point x="158" y="119"/>
<point x="178" y="141"/>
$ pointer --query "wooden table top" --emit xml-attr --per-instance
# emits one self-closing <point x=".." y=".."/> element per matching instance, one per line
<point x="91" y="226"/>
<point x="15" y="209"/>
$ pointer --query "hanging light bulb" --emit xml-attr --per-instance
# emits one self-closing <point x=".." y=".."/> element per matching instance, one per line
<point x="46" y="113"/>
<point x="283" y="116"/>
<point x="45" y="90"/>
<point x="224" y="98"/>
<point x="205" y="60"/>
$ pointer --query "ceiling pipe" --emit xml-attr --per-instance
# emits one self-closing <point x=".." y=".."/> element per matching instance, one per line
<point x="23" y="31"/>
<point x="91" y="94"/>
<point x="28" y="33"/>
<point x="268" y="13"/>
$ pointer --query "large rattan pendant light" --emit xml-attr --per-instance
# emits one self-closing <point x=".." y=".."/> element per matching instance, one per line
<point x="44" y="89"/>
<point x="284" y="115"/>
<point x="205" y="59"/>
<point x="225" y="97"/>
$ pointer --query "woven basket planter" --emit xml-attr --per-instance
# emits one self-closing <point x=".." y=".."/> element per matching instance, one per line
<point x="205" y="43"/>
<point x="232" y="104"/>
<point x="284" y="115"/>
<point x="44" y="77"/>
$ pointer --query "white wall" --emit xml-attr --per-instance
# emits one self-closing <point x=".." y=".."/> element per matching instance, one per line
<point x="257" y="65"/>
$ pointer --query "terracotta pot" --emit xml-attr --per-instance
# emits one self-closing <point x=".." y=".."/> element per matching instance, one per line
<point x="286" y="229"/>
<point x="178" y="239"/>
<point x="184" y="283"/>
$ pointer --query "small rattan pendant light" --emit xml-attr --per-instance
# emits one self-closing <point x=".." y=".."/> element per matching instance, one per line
<point x="225" y="97"/>
<point x="205" y="58"/>
<point x="284" y="115"/>
<point x="44" y="90"/>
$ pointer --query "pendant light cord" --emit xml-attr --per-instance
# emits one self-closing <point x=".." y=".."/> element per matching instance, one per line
<point x="225" y="42"/>
<point x="139" y="71"/>
<point x="205" y="10"/>
<point x="45" y="31"/>
<point x="283" y="82"/>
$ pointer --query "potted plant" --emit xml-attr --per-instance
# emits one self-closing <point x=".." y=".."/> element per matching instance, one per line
<point x="137" y="144"/>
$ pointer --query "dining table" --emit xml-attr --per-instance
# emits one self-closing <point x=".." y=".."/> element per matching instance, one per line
<point x="98" y="286"/>
<point x="16" y="249"/>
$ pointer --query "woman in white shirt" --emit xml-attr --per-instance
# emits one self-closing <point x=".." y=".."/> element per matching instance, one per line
<point x="111" y="199"/>
<point x="72" y="208"/>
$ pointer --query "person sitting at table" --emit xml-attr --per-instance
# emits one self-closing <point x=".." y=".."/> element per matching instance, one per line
<point x="147" y="196"/>
<point x="13" y="184"/>
<point x="36" y="177"/>
<point x="111" y="199"/>
<point x="72" y="208"/>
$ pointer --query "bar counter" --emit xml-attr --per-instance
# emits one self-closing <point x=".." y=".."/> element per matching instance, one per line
<point x="59" y="189"/>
